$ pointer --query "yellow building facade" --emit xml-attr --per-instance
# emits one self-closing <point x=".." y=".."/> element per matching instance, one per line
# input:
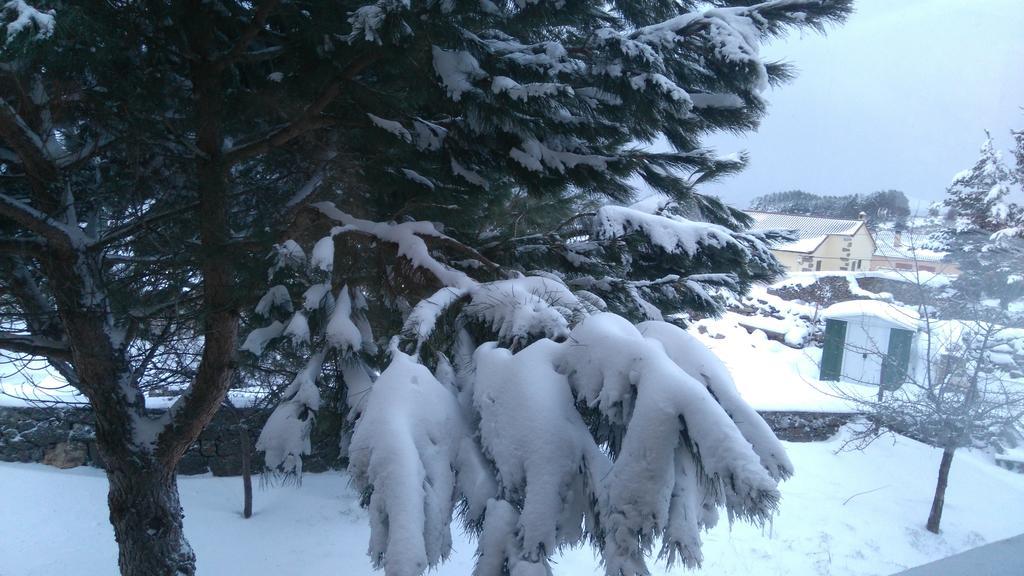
<point x="822" y="244"/>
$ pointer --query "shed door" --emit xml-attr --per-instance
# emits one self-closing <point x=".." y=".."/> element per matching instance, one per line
<point x="866" y="345"/>
<point x="897" y="359"/>
<point x="832" y="353"/>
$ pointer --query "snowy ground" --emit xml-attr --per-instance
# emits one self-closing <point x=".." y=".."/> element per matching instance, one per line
<point x="851" y="514"/>
<point x="770" y="375"/>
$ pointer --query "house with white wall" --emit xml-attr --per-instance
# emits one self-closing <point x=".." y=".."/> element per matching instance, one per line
<point x="827" y="244"/>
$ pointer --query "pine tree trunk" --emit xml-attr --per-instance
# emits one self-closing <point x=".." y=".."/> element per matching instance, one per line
<point x="147" y="517"/>
<point x="940" y="491"/>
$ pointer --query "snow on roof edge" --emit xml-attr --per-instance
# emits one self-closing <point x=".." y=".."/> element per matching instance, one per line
<point x="899" y="315"/>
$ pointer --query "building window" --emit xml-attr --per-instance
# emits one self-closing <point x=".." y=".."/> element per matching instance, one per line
<point x="817" y="265"/>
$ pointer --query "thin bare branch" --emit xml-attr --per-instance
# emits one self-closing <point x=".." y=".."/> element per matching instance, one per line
<point x="34" y="346"/>
<point x="17" y="135"/>
<point x="259" y="19"/>
<point x="309" y="119"/>
<point x="22" y="246"/>
<point x="142" y="222"/>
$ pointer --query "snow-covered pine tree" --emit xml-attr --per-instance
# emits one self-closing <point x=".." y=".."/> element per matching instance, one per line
<point x="150" y="150"/>
<point x="479" y="295"/>
<point x="1016" y="226"/>
<point x="978" y="194"/>
<point x="985" y="236"/>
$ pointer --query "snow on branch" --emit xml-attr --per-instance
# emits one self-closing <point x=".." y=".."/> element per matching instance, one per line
<point x="627" y="437"/>
<point x="521" y="309"/>
<point x="286" y="255"/>
<point x="535" y="155"/>
<point x="40" y="222"/>
<point x="276" y="297"/>
<point x="342" y="332"/>
<point x="258" y="339"/>
<point x="704" y="366"/>
<point x="409" y="238"/>
<point x="27" y="18"/>
<point x="422" y="321"/>
<point x="546" y="422"/>
<point x="402" y="457"/>
<point x="659" y="418"/>
<point x="515" y="311"/>
<point x="285" y="436"/>
<point x="523" y="92"/>
<point x="392" y="126"/>
<point x="673" y="235"/>
<point x="457" y="70"/>
<point x="26" y="144"/>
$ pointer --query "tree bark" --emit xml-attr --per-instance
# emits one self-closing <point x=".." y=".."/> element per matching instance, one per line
<point x="147" y="517"/>
<point x="940" y="491"/>
<point x="144" y="505"/>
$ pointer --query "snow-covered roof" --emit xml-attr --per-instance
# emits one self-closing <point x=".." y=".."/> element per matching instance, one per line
<point x="811" y="230"/>
<point x="901" y="316"/>
<point x="905" y="245"/>
<point x="803" y="245"/>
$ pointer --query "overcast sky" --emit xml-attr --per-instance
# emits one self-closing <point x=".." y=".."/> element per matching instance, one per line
<point x="899" y="97"/>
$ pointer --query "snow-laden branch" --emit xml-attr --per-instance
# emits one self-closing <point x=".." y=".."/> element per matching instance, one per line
<point x="285" y="436"/>
<point x="411" y="240"/>
<point x="403" y="454"/>
<point x="40" y="223"/>
<point x="625" y="439"/>
<point x="27" y="18"/>
<point x="673" y="235"/>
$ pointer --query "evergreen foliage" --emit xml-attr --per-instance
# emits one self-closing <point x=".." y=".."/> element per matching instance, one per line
<point x="472" y="298"/>
<point x="984" y="233"/>
<point x="881" y="206"/>
<point x="432" y="182"/>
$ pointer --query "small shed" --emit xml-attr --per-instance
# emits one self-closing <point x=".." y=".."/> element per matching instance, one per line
<point x="868" y="342"/>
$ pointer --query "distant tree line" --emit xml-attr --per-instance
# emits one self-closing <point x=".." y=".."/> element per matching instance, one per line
<point x="881" y="206"/>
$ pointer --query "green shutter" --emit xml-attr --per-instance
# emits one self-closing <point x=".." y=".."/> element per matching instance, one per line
<point x="897" y="360"/>
<point x="832" y="353"/>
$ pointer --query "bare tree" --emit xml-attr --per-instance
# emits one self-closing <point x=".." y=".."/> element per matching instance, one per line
<point x="961" y="389"/>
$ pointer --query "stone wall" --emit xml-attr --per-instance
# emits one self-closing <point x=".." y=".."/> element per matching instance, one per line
<point x="65" y="437"/>
<point x="805" y="426"/>
<point x="826" y="291"/>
